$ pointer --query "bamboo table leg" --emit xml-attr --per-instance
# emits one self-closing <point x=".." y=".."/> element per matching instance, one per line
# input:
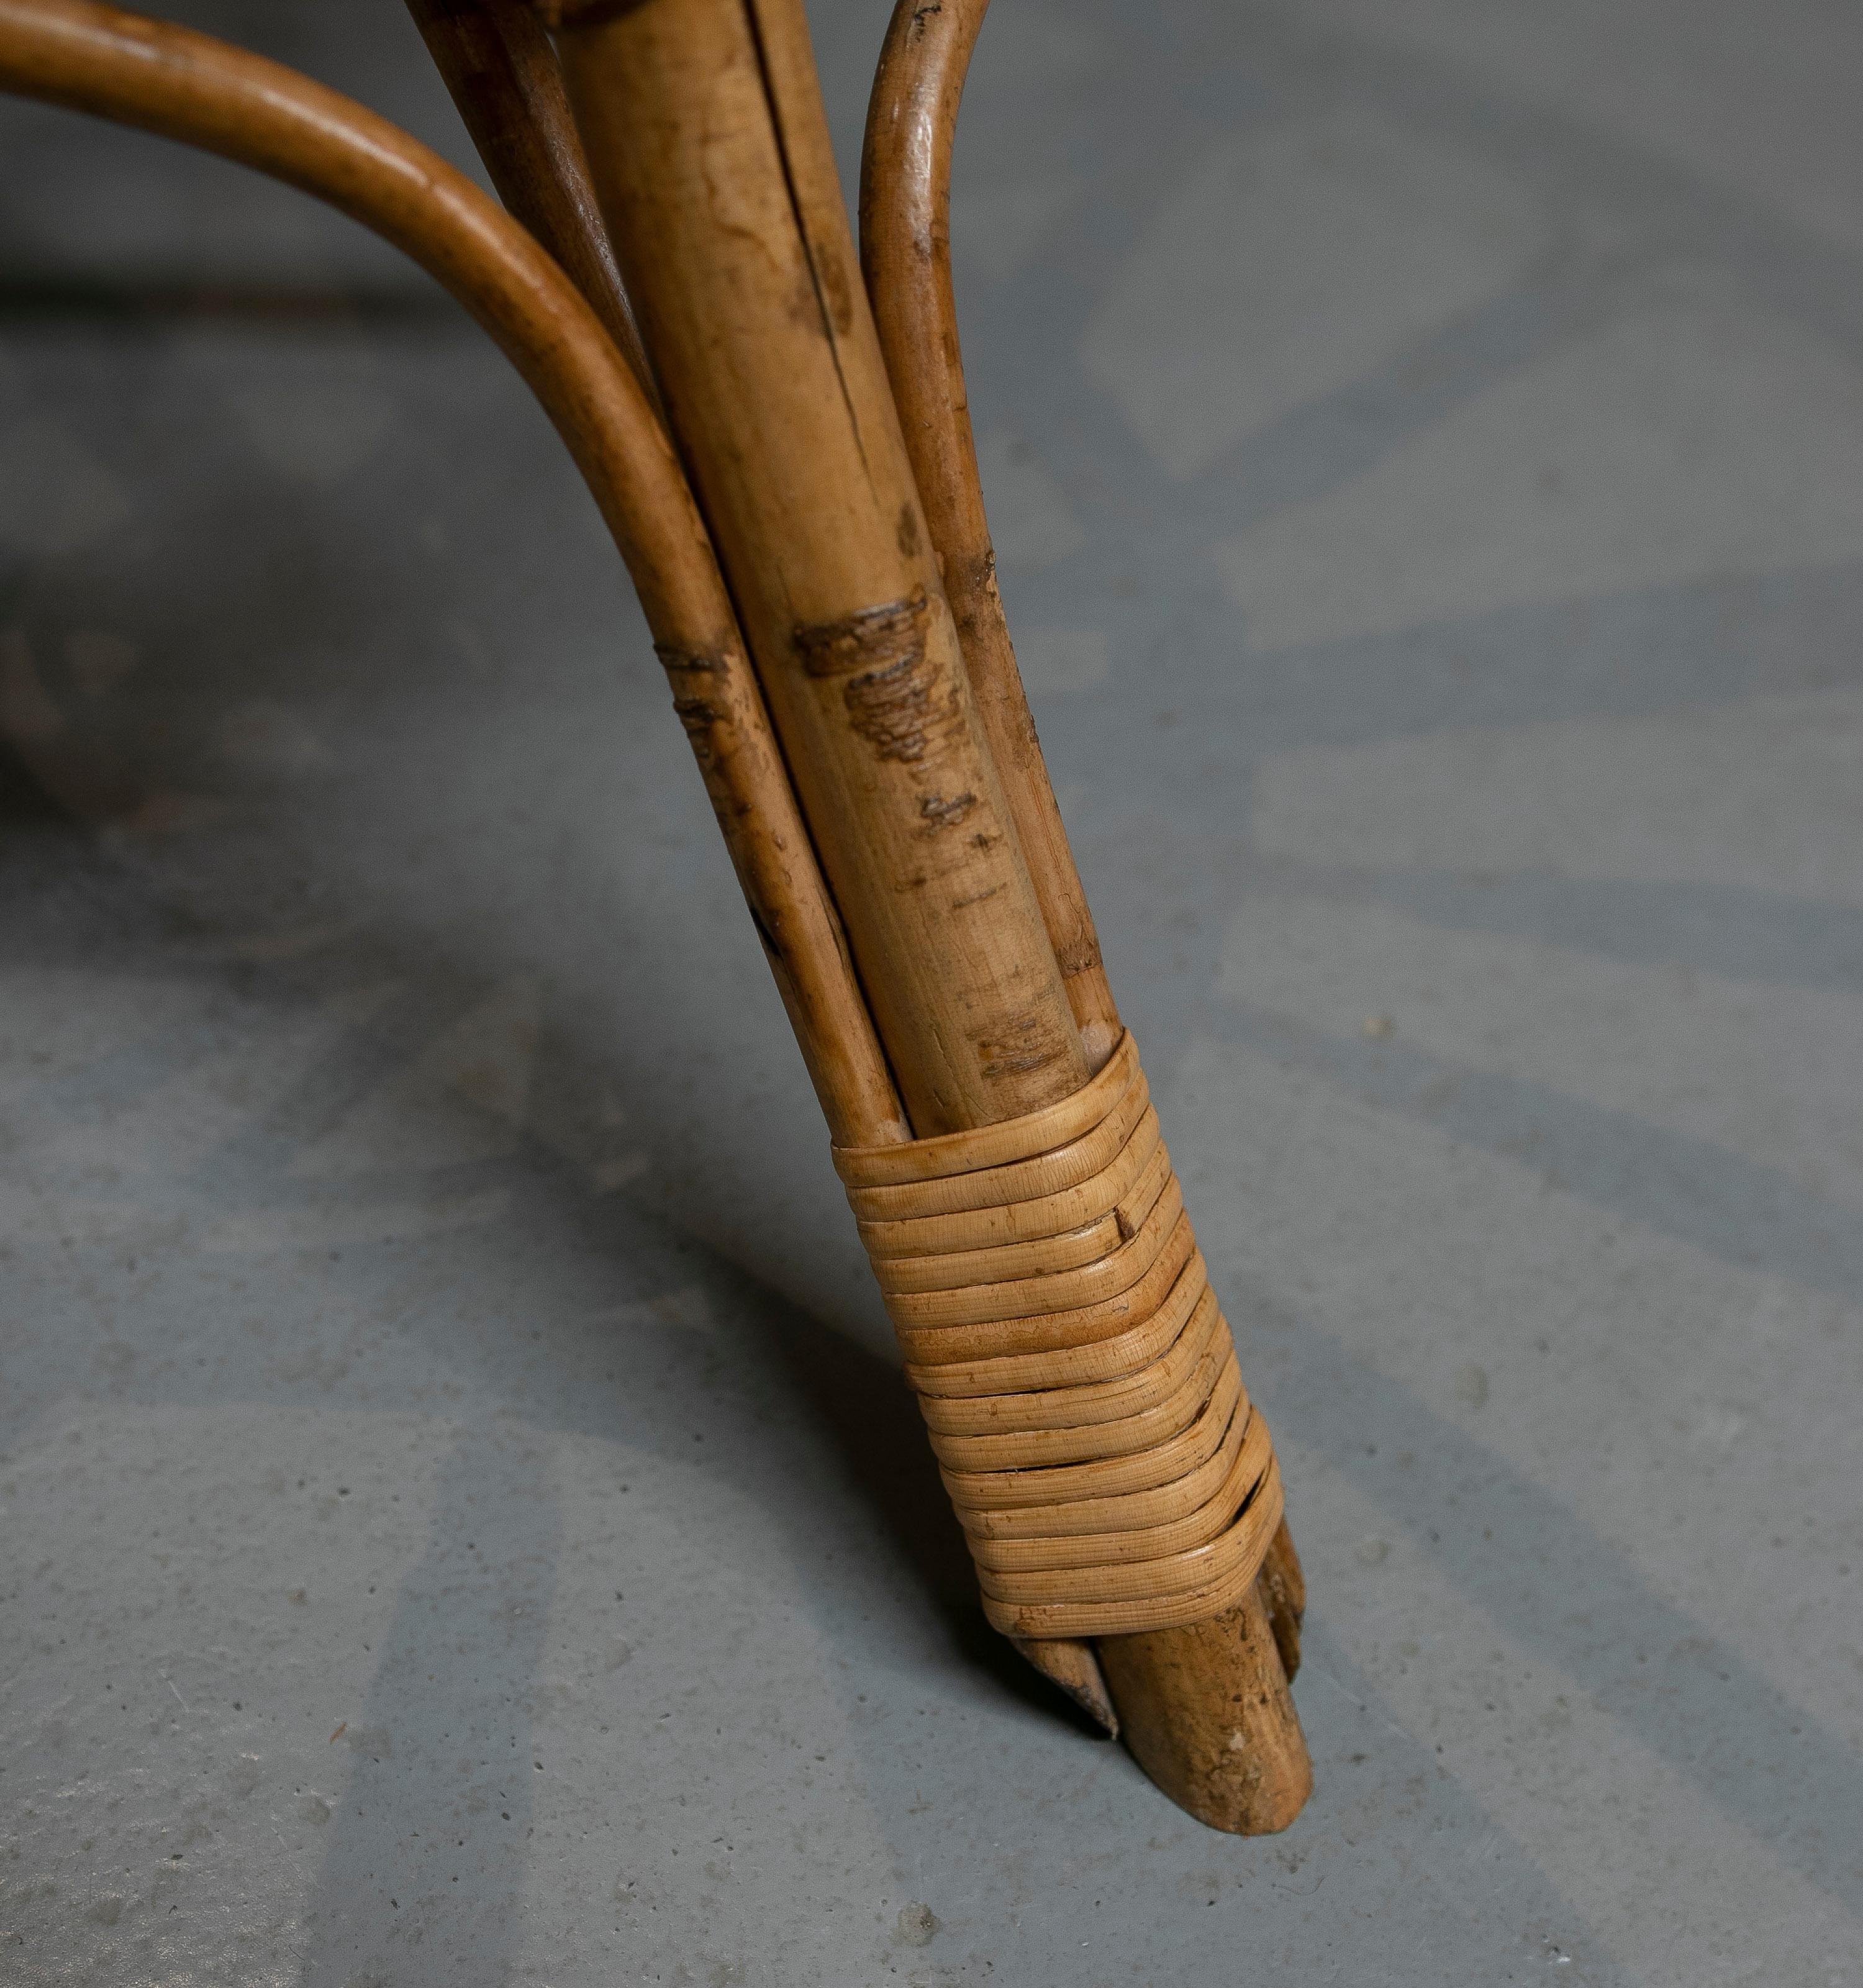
<point x="1207" y="1713"/>
<point x="704" y="127"/>
<point x="703" y="124"/>
<point x="905" y="256"/>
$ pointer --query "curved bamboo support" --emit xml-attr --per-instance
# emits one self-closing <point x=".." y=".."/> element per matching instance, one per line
<point x="1186" y="1696"/>
<point x="189" y="87"/>
<point x="905" y="256"/>
<point x="500" y="68"/>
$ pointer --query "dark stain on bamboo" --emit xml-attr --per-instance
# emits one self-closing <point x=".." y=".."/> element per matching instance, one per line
<point x="888" y="634"/>
<point x="699" y="716"/>
<point x="893" y="708"/>
<point x="837" y="290"/>
<point x="694" y="681"/>
<point x="894" y="691"/>
<point x="673" y="657"/>
<point x="939" y="812"/>
<point x="1033" y="1043"/>
<point x="688" y="670"/>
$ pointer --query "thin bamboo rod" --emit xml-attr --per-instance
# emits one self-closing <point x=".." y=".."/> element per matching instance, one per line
<point x="500" y="68"/>
<point x="188" y="86"/>
<point x="703" y="124"/>
<point x="1206" y="1709"/>
<point x="905" y="256"/>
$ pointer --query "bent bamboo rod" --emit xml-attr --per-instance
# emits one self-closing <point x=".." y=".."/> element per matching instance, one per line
<point x="189" y="87"/>
<point x="905" y="257"/>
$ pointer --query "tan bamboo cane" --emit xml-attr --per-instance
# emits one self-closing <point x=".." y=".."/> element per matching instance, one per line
<point x="188" y="86"/>
<point x="905" y="257"/>
<point x="703" y="128"/>
<point x="905" y="254"/>
<point x="720" y="192"/>
<point x="499" y="67"/>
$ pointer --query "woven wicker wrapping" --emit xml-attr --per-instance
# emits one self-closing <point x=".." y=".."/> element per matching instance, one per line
<point x="1074" y="1369"/>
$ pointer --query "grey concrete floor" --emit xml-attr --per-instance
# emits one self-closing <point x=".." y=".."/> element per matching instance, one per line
<point x="461" y="1521"/>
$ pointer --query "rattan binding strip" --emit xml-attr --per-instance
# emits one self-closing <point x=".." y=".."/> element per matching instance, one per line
<point x="1075" y="1371"/>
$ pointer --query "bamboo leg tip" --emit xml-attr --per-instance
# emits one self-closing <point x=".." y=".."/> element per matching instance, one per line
<point x="1208" y="1714"/>
<point x="1262" y="1799"/>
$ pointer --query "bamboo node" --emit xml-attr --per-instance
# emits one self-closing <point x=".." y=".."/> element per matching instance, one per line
<point x="1075" y="1371"/>
<point x="893" y="633"/>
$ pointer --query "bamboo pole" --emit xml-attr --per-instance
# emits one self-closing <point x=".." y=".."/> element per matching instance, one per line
<point x="188" y="86"/>
<point x="1207" y="1713"/>
<point x="706" y="137"/>
<point x="703" y="124"/>
<point x="500" y="68"/>
<point x="704" y="130"/>
<point x="1172" y="1688"/>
